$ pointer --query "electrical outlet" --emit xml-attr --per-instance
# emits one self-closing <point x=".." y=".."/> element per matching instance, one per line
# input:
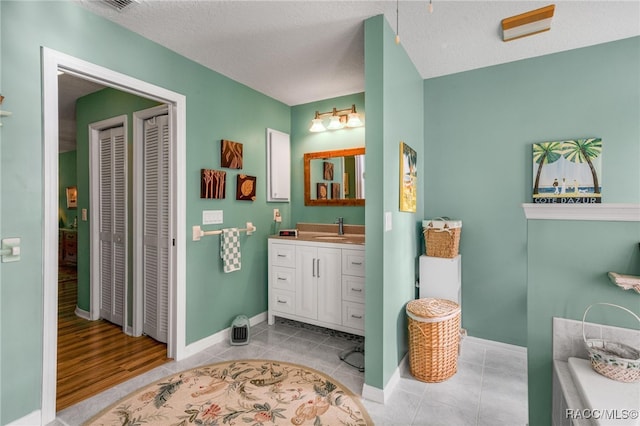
<point x="276" y="215"/>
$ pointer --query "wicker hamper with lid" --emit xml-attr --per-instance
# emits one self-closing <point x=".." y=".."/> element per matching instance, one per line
<point x="434" y="336"/>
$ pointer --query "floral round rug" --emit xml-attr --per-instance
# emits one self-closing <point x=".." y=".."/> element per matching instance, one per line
<point x="241" y="392"/>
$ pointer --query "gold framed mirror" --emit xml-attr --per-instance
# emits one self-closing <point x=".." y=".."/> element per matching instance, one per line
<point x="334" y="178"/>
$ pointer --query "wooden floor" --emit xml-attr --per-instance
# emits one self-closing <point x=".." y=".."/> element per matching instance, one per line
<point x="96" y="355"/>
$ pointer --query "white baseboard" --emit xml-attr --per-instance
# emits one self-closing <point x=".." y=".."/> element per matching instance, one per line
<point x="493" y="343"/>
<point x="218" y="337"/>
<point x="83" y="314"/>
<point x="382" y="395"/>
<point x="33" y="418"/>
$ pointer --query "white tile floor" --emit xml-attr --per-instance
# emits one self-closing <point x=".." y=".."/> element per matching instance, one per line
<point x="490" y="387"/>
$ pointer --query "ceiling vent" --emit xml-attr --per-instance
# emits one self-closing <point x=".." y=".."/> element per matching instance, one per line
<point x="120" y="5"/>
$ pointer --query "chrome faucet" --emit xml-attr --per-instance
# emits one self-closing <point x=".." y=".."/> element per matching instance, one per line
<point x="340" y="222"/>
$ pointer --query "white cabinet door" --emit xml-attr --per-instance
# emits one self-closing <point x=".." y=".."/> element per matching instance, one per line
<point x="306" y="282"/>
<point x="329" y="274"/>
<point x="278" y="166"/>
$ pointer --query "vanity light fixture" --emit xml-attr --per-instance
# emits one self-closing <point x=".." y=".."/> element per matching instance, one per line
<point x="528" y="23"/>
<point x="339" y="118"/>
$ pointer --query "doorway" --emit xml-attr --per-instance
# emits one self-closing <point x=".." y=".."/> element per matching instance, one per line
<point x="54" y="61"/>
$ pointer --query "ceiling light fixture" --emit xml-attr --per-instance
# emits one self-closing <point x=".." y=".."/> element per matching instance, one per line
<point x="398" y="18"/>
<point x="339" y="118"/>
<point x="529" y="23"/>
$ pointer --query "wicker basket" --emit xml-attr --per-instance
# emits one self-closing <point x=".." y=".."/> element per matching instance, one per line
<point x="614" y="360"/>
<point x="434" y="337"/>
<point x="442" y="237"/>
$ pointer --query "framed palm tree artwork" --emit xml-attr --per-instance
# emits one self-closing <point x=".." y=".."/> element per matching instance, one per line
<point x="568" y="172"/>
<point x="408" y="178"/>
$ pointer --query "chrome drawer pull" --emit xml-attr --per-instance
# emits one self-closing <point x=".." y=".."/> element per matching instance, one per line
<point x="282" y="255"/>
<point x="282" y="301"/>
<point x="359" y="290"/>
<point x="356" y="263"/>
<point x="356" y="316"/>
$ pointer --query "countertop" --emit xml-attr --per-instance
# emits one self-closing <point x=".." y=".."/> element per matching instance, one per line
<point x="327" y="233"/>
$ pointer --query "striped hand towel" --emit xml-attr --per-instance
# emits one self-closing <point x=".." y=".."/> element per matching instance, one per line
<point x="230" y="249"/>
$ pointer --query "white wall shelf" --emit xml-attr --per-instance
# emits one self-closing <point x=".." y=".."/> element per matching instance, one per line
<point x="602" y="212"/>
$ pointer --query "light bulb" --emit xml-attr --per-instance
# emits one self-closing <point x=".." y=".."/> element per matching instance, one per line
<point x="316" y="125"/>
<point x="335" y="123"/>
<point x="397" y="39"/>
<point x="430" y="7"/>
<point x="354" y="120"/>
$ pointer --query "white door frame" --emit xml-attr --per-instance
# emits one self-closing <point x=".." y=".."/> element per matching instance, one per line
<point x="52" y="61"/>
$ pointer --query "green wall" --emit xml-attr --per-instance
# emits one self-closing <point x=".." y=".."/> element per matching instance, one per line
<point x="67" y="173"/>
<point x="304" y="141"/>
<point x="479" y="129"/>
<point x="394" y="105"/>
<point x="217" y="108"/>
<point x="568" y="265"/>
<point x="98" y="106"/>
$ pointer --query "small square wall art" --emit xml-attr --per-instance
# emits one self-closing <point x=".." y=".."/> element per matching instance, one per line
<point x="212" y="183"/>
<point x="567" y="172"/>
<point x="246" y="188"/>
<point x="321" y="191"/>
<point x="335" y="191"/>
<point x="230" y="154"/>
<point x="327" y="169"/>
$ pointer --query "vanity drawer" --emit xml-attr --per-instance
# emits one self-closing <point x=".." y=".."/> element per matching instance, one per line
<point x="353" y="315"/>
<point x="353" y="262"/>
<point x="283" y="278"/>
<point x="353" y="288"/>
<point x="283" y="255"/>
<point x="283" y="301"/>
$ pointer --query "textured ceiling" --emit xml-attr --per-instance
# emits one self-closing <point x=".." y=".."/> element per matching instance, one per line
<point x="300" y="51"/>
<point x="306" y="50"/>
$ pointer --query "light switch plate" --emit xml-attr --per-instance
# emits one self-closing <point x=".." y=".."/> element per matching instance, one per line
<point x="387" y="221"/>
<point x="212" y="217"/>
<point x="12" y="247"/>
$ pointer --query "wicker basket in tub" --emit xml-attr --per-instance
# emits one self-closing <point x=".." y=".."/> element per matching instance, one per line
<point x="442" y="237"/>
<point x="434" y="337"/>
<point x="616" y="361"/>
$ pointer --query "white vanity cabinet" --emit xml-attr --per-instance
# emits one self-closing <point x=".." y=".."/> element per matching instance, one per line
<point x="317" y="283"/>
<point x="353" y="288"/>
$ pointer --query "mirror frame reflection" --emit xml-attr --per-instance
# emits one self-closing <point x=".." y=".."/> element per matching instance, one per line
<point x="308" y="201"/>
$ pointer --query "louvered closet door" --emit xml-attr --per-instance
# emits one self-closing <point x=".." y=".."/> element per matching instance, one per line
<point x="113" y="223"/>
<point x="157" y="232"/>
